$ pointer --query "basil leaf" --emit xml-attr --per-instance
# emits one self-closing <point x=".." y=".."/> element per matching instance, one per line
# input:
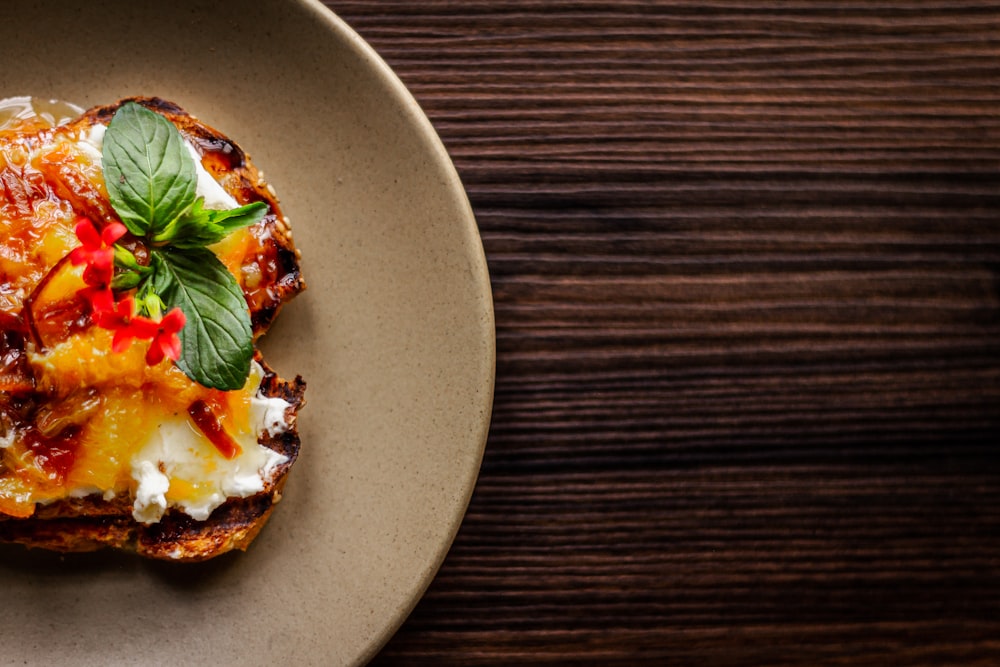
<point x="216" y="341"/>
<point x="200" y="227"/>
<point x="148" y="172"/>
<point x="237" y="218"/>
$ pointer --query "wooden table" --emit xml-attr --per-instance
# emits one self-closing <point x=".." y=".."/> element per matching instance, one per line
<point x="745" y="263"/>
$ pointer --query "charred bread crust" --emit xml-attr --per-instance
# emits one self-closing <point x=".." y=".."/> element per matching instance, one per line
<point x="91" y="523"/>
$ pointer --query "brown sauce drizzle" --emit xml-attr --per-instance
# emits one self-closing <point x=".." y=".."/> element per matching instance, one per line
<point x="203" y="416"/>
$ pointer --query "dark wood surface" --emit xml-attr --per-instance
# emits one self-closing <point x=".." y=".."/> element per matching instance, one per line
<point x="745" y="266"/>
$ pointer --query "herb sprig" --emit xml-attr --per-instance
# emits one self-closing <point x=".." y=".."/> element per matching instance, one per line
<point x="151" y="180"/>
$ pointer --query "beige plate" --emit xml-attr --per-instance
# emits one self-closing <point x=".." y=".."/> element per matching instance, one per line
<point x="394" y="337"/>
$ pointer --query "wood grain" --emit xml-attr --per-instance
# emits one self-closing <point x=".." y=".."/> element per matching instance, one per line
<point x="745" y="265"/>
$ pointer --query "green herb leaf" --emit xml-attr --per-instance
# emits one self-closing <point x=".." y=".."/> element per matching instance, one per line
<point x="200" y="226"/>
<point x="237" y="218"/>
<point x="216" y="341"/>
<point x="148" y="171"/>
<point x="152" y="183"/>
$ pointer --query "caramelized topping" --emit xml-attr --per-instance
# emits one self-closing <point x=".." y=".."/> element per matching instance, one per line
<point x="54" y="455"/>
<point x="15" y="374"/>
<point x="210" y="425"/>
<point x="72" y="413"/>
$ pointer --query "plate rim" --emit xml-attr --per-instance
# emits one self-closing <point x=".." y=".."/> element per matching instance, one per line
<point x="339" y="27"/>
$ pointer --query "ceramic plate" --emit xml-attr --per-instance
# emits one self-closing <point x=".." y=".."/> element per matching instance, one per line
<point x="394" y="337"/>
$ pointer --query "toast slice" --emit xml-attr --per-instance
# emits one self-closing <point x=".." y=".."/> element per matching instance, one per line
<point x="58" y="406"/>
<point x="91" y="522"/>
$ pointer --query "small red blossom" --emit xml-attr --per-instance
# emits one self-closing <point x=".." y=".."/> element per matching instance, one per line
<point x="128" y="326"/>
<point x="97" y="250"/>
<point x="98" y="290"/>
<point x="167" y="343"/>
<point x="98" y="275"/>
<point x="98" y="255"/>
<point x="162" y="336"/>
<point x="100" y="297"/>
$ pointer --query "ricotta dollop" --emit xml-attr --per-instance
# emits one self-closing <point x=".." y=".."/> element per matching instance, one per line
<point x="178" y="457"/>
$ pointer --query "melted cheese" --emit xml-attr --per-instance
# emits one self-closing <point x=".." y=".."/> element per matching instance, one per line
<point x="131" y="435"/>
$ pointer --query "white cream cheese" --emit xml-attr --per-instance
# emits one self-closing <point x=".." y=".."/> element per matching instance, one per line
<point x="150" y="498"/>
<point x="177" y="453"/>
<point x="216" y="198"/>
<point x="91" y="143"/>
<point x="268" y="414"/>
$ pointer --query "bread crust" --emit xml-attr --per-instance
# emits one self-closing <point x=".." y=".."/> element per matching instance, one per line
<point x="91" y="522"/>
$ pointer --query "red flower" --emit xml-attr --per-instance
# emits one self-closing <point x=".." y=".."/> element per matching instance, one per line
<point x="100" y="297"/>
<point x="128" y="326"/>
<point x="164" y="341"/>
<point x="99" y="255"/>
<point x="167" y="343"/>
<point x="96" y="251"/>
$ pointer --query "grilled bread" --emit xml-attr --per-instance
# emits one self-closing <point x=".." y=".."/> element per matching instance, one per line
<point x="101" y="448"/>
